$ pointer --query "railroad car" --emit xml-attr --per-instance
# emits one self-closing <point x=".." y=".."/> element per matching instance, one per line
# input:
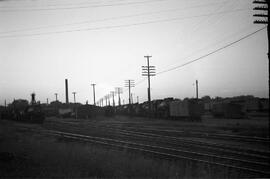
<point x="50" y="111"/>
<point x="228" y="110"/>
<point x="264" y="105"/>
<point x="109" y="111"/>
<point x="190" y="109"/>
<point x="65" y="112"/>
<point x="166" y="108"/>
<point x="163" y="108"/>
<point x="87" y="111"/>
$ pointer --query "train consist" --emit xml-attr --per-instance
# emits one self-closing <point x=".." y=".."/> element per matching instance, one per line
<point x="193" y="109"/>
<point x="168" y="108"/>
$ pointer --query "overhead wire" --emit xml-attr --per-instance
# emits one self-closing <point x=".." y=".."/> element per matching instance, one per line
<point x="198" y="24"/>
<point x="205" y="23"/>
<point x="110" y="18"/>
<point x="216" y="42"/>
<point x="205" y="55"/>
<point x="80" y="7"/>
<point x="14" y="6"/>
<point x="222" y="39"/>
<point x="213" y="52"/>
<point x="120" y="26"/>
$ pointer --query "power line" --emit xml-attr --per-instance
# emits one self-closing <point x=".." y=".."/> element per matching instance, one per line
<point x="119" y="26"/>
<point x="199" y="25"/>
<point x="51" y="5"/>
<point x="217" y="50"/>
<point x="201" y="57"/>
<point x="111" y="18"/>
<point x="80" y="7"/>
<point x="214" y="44"/>
<point x="206" y="55"/>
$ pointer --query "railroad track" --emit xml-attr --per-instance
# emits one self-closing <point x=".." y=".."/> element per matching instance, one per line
<point x="180" y="138"/>
<point x="241" y="155"/>
<point x="210" y="145"/>
<point x="156" y="129"/>
<point x="167" y="152"/>
<point x="141" y="126"/>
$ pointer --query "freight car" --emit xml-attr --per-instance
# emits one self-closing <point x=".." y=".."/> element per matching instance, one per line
<point x="65" y="112"/>
<point x="167" y="108"/>
<point x="190" y="109"/>
<point x="163" y="108"/>
<point x="87" y="111"/>
<point x="227" y="110"/>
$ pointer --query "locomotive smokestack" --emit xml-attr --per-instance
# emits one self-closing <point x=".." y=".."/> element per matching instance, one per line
<point x="66" y="91"/>
<point x="33" y="98"/>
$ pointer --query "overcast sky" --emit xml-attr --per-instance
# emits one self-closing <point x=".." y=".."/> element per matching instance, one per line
<point x="42" y="42"/>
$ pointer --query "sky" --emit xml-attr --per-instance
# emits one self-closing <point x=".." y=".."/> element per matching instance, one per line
<point x="44" y="42"/>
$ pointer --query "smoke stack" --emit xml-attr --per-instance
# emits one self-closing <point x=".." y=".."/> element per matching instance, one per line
<point x="33" y="98"/>
<point x="197" y="95"/>
<point x="66" y="91"/>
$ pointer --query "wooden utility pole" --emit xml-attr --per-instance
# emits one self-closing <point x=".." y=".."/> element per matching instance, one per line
<point x="56" y="94"/>
<point x="129" y="84"/>
<point x="113" y="93"/>
<point x="148" y="71"/>
<point x="74" y="95"/>
<point x="263" y="19"/>
<point x="94" y="95"/>
<point x="106" y="101"/>
<point x="119" y="90"/>
<point x="108" y="96"/>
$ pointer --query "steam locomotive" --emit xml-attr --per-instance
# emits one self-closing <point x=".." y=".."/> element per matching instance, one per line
<point x="21" y="110"/>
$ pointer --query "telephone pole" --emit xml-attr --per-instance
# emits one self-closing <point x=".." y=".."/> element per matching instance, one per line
<point x="129" y="84"/>
<point x="94" y="95"/>
<point x="148" y="71"/>
<point x="74" y="95"/>
<point x="263" y="19"/>
<point x="264" y="7"/>
<point x="131" y="97"/>
<point x="119" y="91"/>
<point x="105" y="98"/>
<point x="113" y="93"/>
<point x="108" y="96"/>
<point x="56" y="94"/>
<point x="101" y="102"/>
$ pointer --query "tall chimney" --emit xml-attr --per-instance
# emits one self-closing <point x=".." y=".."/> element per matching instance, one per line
<point x="197" y="93"/>
<point x="66" y="91"/>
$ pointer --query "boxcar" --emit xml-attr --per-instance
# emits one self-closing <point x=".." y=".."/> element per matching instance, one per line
<point x="186" y="109"/>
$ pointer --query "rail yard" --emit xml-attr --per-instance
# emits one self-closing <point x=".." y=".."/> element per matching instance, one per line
<point x="215" y="145"/>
